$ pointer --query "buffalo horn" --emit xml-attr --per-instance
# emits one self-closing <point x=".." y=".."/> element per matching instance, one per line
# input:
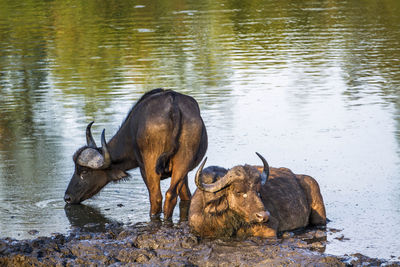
<point x="265" y="173"/>
<point x="198" y="175"/>
<point x="214" y="187"/>
<point x="91" y="158"/>
<point x="89" y="138"/>
<point x="106" y="153"/>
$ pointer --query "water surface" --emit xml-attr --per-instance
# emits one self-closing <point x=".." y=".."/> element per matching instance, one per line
<point x="313" y="86"/>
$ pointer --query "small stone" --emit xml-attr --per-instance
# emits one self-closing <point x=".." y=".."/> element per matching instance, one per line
<point x="287" y="235"/>
<point x="122" y="235"/>
<point x="342" y="238"/>
<point x="33" y="232"/>
<point x="142" y="258"/>
<point x="308" y="235"/>
<point x="302" y="244"/>
<point x="317" y="245"/>
<point x="320" y="234"/>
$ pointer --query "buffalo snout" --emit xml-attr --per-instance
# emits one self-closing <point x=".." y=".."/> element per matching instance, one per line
<point x="262" y="216"/>
<point x="69" y="199"/>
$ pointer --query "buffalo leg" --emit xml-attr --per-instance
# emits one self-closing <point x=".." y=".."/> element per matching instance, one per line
<point x="265" y="230"/>
<point x="172" y="193"/>
<point x="170" y="201"/>
<point x="314" y="198"/>
<point x="153" y="186"/>
<point x="259" y="230"/>
<point x="184" y="195"/>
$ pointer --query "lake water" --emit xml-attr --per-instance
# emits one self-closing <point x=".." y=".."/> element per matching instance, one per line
<point x="312" y="85"/>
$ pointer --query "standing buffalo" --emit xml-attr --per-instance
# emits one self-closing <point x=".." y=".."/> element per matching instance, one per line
<point x="164" y="135"/>
<point x="253" y="201"/>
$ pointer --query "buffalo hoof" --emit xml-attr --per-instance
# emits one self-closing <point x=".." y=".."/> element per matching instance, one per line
<point x="184" y="206"/>
<point x="155" y="217"/>
<point x="168" y="223"/>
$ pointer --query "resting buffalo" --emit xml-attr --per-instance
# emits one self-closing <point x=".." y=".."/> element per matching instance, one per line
<point x="164" y="135"/>
<point x="253" y="201"/>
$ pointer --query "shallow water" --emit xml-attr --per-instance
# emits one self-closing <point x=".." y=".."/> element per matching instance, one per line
<point x="313" y="86"/>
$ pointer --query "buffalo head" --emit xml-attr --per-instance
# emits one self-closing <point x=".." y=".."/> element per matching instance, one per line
<point x="93" y="170"/>
<point x="237" y="190"/>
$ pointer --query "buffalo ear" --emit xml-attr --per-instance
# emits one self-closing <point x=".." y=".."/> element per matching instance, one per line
<point x="216" y="206"/>
<point x="116" y="174"/>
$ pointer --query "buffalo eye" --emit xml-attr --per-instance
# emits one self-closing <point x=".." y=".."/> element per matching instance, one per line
<point x="82" y="174"/>
<point x="241" y="194"/>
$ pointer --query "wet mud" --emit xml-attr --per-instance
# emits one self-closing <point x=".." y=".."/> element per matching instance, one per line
<point x="160" y="244"/>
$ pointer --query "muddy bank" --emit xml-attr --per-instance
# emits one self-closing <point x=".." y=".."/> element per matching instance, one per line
<point x="171" y="245"/>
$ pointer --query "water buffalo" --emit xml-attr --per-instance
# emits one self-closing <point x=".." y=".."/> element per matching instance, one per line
<point x="164" y="135"/>
<point x="253" y="201"/>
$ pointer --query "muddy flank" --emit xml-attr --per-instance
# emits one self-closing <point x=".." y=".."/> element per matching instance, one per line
<point x="171" y="245"/>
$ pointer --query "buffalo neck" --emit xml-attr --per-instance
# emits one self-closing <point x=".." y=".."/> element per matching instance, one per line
<point x="121" y="149"/>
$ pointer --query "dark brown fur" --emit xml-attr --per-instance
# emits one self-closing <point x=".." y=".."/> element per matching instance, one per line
<point x="293" y="201"/>
<point x="164" y="135"/>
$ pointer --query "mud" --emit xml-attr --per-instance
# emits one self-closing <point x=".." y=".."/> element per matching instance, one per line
<point x="158" y="244"/>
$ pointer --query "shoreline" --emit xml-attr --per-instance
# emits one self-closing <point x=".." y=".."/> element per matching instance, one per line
<point x="161" y="244"/>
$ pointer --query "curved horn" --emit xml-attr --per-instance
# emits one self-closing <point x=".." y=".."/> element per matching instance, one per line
<point x="89" y="138"/>
<point x="106" y="153"/>
<point x="198" y="174"/>
<point x="214" y="187"/>
<point x="265" y="173"/>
